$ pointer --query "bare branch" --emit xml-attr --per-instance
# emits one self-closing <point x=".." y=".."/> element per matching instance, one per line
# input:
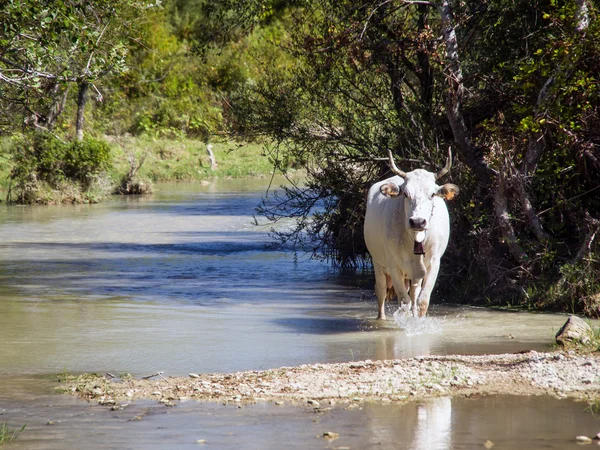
<point x="501" y="209"/>
<point x="586" y="245"/>
<point x="582" y="16"/>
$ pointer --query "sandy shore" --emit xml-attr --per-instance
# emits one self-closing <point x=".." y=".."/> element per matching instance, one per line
<point x="560" y="374"/>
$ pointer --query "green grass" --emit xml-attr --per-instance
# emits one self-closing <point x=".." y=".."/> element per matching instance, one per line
<point x="7" y="434"/>
<point x="187" y="160"/>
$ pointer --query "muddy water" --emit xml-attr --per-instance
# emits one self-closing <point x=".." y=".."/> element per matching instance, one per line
<point x="183" y="282"/>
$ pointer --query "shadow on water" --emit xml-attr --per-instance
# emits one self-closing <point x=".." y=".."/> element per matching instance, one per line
<point x="211" y="243"/>
<point x="319" y="325"/>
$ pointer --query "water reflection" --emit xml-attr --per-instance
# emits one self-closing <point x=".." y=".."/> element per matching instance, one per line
<point x="516" y="423"/>
<point x="433" y="427"/>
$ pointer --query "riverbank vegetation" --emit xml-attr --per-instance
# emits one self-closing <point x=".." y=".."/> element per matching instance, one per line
<point x="511" y="86"/>
<point x="8" y="434"/>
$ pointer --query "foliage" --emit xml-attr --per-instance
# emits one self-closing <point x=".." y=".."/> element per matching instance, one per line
<point x="44" y="166"/>
<point x="46" y="46"/>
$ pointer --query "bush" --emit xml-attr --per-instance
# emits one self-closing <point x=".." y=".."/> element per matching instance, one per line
<point x="49" y="170"/>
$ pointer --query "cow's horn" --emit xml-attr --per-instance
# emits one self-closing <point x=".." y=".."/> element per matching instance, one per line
<point x="446" y="168"/>
<point x="393" y="166"/>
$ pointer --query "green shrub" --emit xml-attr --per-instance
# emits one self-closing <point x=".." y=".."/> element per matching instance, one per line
<point x="49" y="170"/>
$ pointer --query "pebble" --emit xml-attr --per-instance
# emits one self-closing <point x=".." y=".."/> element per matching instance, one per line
<point x="157" y="393"/>
<point x="331" y="435"/>
<point x="314" y="403"/>
<point x="583" y="440"/>
<point x="280" y="403"/>
<point x="488" y="444"/>
<point x="201" y="441"/>
<point x="194" y="375"/>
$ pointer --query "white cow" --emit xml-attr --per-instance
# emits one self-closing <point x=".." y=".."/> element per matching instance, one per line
<point x="406" y="231"/>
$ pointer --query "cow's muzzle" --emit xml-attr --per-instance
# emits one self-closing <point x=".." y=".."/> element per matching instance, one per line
<point x="417" y="223"/>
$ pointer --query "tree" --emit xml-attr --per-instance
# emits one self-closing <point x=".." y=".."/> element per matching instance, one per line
<point x="49" y="45"/>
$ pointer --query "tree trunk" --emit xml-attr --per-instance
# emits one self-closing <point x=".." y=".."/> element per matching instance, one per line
<point x="57" y="108"/>
<point x="211" y="156"/>
<point x="472" y="155"/>
<point x="508" y="232"/>
<point x="81" y="101"/>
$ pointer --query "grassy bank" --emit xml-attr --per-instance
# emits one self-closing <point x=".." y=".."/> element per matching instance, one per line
<point x="44" y="173"/>
<point x="187" y="160"/>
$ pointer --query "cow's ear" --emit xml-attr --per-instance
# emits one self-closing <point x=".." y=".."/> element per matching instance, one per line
<point x="390" y="189"/>
<point x="448" y="191"/>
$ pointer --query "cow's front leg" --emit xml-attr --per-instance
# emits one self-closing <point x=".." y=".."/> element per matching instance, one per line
<point x="398" y="280"/>
<point x="415" y="290"/>
<point x="428" y="284"/>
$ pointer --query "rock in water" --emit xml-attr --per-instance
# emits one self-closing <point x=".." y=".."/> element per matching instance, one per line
<point x="574" y="330"/>
<point x="331" y="435"/>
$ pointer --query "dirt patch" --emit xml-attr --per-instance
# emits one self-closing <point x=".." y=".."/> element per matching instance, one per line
<point x="560" y="374"/>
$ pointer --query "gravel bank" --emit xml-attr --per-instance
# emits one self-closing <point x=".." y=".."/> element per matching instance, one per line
<point x="560" y="374"/>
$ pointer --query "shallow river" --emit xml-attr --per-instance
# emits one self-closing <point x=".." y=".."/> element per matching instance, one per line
<point x="181" y="282"/>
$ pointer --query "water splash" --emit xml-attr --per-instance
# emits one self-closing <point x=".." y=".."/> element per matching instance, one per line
<point x="414" y="326"/>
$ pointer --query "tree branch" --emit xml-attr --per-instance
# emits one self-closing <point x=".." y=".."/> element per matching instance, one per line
<point x="508" y="232"/>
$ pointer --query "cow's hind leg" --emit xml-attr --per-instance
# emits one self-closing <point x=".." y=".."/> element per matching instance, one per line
<point x="381" y="289"/>
<point x="391" y="292"/>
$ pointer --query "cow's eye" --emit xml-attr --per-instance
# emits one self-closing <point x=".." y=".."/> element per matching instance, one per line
<point x="433" y="195"/>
